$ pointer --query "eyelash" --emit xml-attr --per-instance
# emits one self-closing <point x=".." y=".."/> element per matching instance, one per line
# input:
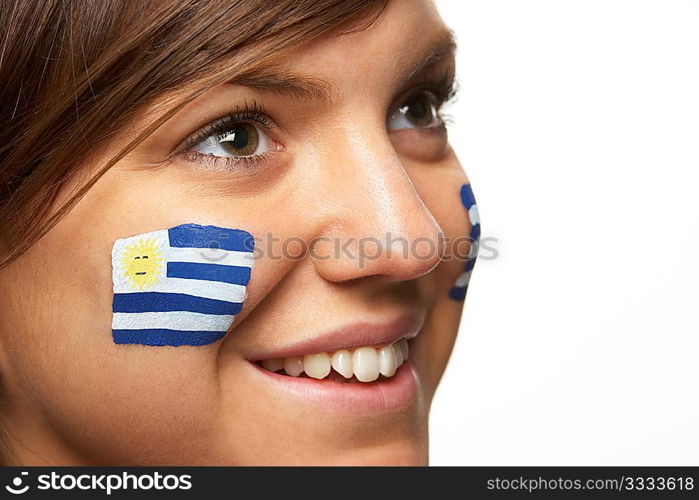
<point x="254" y="112"/>
<point x="445" y="90"/>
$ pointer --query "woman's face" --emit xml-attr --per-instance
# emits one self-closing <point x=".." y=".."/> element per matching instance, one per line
<point x="351" y="156"/>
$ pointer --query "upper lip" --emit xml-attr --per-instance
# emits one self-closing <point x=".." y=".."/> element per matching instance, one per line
<point x="350" y="335"/>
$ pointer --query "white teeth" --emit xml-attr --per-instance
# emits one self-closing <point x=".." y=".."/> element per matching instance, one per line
<point x="364" y="363"/>
<point x="342" y="363"/>
<point x="273" y="365"/>
<point x="316" y="365"/>
<point x="293" y="366"/>
<point x="387" y="361"/>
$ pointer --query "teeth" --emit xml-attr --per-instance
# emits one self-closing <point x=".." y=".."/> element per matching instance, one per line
<point x="365" y="364"/>
<point x="273" y="365"/>
<point x="293" y="366"/>
<point x="316" y="365"/>
<point x="387" y="361"/>
<point x="342" y="363"/>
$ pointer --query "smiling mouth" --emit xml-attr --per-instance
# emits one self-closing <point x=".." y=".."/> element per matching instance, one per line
<point x="359" y="368"/>
<point x="359" y="364"/>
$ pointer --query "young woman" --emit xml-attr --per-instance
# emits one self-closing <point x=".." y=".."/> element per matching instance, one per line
<point x="232" y="232"/>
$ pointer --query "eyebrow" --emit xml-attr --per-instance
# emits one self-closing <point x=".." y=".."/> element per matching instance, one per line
<point x="442" y="46"/>
<point x="279" y="80"/>
<point x="275" y="79"/>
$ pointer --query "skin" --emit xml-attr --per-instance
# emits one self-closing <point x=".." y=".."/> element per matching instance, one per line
<point x="71" y="396"/>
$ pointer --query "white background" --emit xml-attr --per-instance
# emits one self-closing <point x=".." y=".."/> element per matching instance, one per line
<point x="578" y="124"/>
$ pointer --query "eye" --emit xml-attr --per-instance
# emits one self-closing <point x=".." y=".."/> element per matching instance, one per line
<point x="420" y="111"/>
<point x="239" y="140"/>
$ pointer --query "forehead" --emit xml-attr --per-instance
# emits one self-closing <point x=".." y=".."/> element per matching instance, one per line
<point x="379" y="52"/>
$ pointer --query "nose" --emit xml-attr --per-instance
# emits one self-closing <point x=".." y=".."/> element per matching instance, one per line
<point x="372" y="221"/>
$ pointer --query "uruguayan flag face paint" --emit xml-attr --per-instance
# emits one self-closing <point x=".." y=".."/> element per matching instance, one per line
<point x="179" y="286"/>
<point x="458" y="291"/>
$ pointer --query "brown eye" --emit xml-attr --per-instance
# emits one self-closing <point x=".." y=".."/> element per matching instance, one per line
<point x="419" y="111"/>
<point x="242" y="140"/>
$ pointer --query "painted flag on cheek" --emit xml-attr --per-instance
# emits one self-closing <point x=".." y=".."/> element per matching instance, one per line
<point x="179" y="286"/>
<point x="458" y="291"/>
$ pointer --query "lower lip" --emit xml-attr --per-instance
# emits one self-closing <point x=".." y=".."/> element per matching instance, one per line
<point x="387" y="395"/>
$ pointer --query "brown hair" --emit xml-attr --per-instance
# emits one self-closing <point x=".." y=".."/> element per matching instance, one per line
<point x="73" y="72"/>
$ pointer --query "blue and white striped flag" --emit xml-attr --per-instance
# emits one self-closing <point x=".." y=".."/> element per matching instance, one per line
<point x="179" y="286"/>
<point x="458" y="291"/>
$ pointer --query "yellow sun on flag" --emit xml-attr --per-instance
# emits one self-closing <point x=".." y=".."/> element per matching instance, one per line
<point x="142" y="263"/>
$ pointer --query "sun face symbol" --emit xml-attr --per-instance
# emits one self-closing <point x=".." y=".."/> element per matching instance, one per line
<point x="142" y="263"/>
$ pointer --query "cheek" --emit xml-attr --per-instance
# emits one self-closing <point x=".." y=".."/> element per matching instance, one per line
<point x="440" y="190"/>
<point x="439" y="187"/>
<point x="132" y="401"/>
<point x="129" y="401"/>
<point x="137" y="406"/>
